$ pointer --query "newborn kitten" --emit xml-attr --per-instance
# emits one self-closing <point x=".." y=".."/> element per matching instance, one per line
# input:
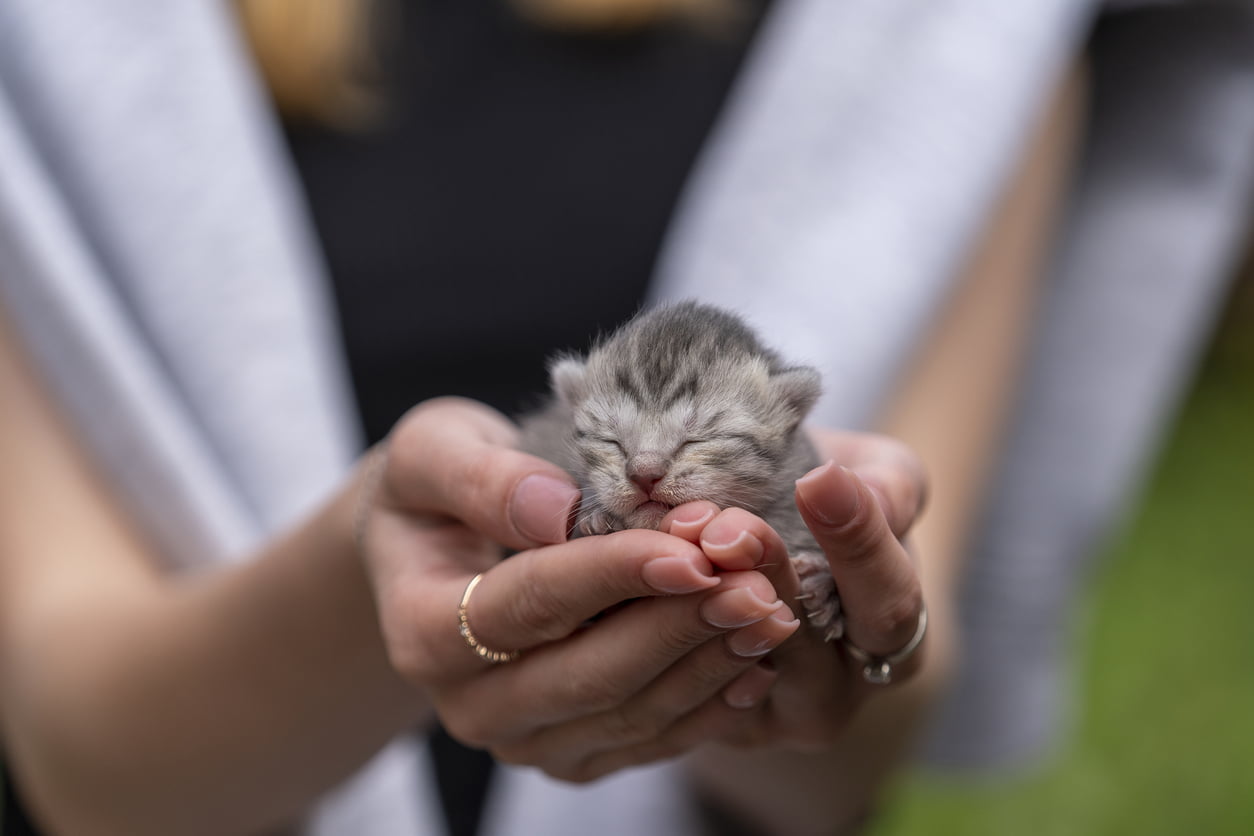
<point x="683" y="403"/>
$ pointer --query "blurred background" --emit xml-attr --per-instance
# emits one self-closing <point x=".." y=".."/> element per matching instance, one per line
<point x="1162" y="737"/>
<point x="1162" y="732"/>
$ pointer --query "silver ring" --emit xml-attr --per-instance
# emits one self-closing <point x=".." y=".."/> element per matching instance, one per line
<point x="496" y="657"/>
<point x="878" y="670"/>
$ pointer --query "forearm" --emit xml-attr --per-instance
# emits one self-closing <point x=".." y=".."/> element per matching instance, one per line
<point x="132" y="702"/>
<point x="221" y="702"/>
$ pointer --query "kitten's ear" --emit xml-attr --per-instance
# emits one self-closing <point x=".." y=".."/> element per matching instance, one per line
<point x="798" y="387"/>
<point x="567" y="375"/>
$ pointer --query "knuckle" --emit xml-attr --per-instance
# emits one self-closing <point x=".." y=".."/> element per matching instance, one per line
<point x="406" y="663"/>
<point x="898" y="617"/>
<point x="407" y="432"/>
<point x="680" y="629"/>
<point x="633" y="725"/>
<point x="591" y="689"/>
<point x="861" y="540"/>
<point x="411" y="437"/>
<point x="535" y="610"/>
<point x="717" y="670"/>
<point x="889" y="448"/>
<point x="469" y="481"/>
<point x="471" y="728"/>
<point x="409" y="655"/>
<point x="709" y="668"/>
<point x="900" y="477"/>
<point x="681" y="639"/>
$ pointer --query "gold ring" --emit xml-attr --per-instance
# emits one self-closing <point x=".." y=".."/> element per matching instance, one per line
<point x="463" y="627"/>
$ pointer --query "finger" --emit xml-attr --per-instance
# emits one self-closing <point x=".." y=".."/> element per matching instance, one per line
<point x="736" y="539"/>
<point x="633" y="672"/>
<point x="893" y="472"/>
<point x="455" y="457"/>
<point x="813" y="697"/>
<point x="819" y="684"/>
<point x="689" y="520"/>
<point x="714" y="720"/>
<point x="879" y="587"/>
<point x="751" y="688"/>
<point x="542" y="595"/>
<point x="695" y="679"/>
<point x="741" y="540"/>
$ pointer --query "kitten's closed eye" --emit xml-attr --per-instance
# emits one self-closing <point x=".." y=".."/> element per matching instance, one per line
<point x="584" y="437"/>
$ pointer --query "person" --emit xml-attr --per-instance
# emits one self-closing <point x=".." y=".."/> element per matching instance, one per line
<point x="155" y="426"/>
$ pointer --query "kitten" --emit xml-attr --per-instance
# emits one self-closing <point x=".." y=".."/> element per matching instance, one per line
<point x="682" y="403"/>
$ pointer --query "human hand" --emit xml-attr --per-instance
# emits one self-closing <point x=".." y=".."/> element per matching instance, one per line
<point x="582" y="697"/>
<point x="806" y="692"/>
<point x="859" y="514"/>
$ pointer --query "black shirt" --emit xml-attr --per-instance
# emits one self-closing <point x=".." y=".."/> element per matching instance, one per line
<point x="514" y="200"/>
<point x="511" y="205"/>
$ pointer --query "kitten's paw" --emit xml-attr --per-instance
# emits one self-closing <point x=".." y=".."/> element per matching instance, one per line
<point x="818" y="594"/>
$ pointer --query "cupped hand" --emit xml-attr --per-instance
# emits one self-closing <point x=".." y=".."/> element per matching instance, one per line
<point x="859" y="511"/>
<point x="586" y="696"/>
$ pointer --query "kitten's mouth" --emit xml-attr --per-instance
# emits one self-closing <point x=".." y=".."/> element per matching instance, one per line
<point x="648" y="514"/>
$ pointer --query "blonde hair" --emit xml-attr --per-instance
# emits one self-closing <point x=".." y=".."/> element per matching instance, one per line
<point x="616" y="14"/>
<point x="317" y="56"/>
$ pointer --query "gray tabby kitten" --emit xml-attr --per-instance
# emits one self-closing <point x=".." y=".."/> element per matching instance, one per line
<point x="683" y="403"/>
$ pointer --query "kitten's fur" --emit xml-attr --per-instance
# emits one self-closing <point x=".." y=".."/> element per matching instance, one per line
<point x="682" y="403"/>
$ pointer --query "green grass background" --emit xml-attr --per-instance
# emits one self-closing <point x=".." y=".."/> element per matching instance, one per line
<point x="1163" y="742"/>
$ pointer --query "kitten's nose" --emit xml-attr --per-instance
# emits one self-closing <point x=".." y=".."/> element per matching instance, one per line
<point x="645" y="470"/>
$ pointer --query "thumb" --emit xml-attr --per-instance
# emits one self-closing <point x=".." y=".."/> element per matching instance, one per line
<point x="455" y="457"/>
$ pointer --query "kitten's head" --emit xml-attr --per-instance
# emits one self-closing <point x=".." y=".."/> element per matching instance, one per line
<point x="682" y="403"/>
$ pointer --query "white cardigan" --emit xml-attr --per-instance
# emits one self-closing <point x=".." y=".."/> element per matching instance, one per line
<point x="158" y="264"/>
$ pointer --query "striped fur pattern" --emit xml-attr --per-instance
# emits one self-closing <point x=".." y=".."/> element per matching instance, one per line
<point x="682" y="403"/>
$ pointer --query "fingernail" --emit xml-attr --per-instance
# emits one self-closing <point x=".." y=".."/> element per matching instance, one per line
<point x="750" y="688"/>
<point x="739" y="695"/>
<point x="830" y="493"/>
<point x="784" y="616"/>
<point x="541" y="507"/>
<point x="760" y="639"/>
<point x="736" y="608"/>
<point x="743" y="542"/>
<point x="691" y="514"/>
<point x="675" y="576"/>
<point x="688" y="519"/>
<point x="751" y="646"/>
